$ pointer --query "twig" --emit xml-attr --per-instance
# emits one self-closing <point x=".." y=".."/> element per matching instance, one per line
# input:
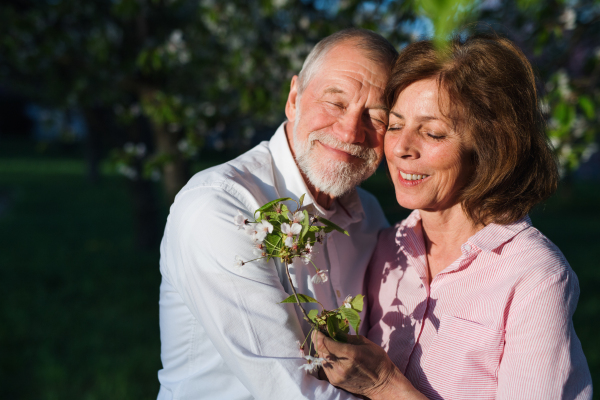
<point x="287" y="271"/>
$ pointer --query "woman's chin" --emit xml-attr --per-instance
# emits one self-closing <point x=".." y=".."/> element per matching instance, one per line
<point x="408" y="203"/>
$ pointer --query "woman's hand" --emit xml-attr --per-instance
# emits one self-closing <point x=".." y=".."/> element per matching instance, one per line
<point x="362" y="367"/>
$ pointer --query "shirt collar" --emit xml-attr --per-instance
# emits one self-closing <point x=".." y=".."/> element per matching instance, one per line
<point x="487" y="239"/>
<point x="493" y="235"/>
<point x="290" y="183"/>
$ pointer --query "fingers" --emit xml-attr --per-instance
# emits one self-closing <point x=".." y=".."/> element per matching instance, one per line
<point x="330" y="346"/>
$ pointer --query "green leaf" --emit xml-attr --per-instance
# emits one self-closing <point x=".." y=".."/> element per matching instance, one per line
<point x="271" y="204"/>
<point x="358" y="302"/>
<point x="332" y="226"/>
<point x="564" y="113"/>
<point x="312" y="315"/>
<point x="305" y="224"/>
<point x="302" y="297"/>
<point x="301" y="201"/>
<point x="352" y="316"/>
<point x="333" y="328"/>
<point x="587" y="105"/>
<point x="272" y="215"/>
<point x="344" y="327"/>
<point x="272" y="242"/>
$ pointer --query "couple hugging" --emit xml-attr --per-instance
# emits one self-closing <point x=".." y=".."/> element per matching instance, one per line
<point x="464" y="299"/>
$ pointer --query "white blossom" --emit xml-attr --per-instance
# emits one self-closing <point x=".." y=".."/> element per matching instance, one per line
<point x="569" y="18"/>
<point x="348" y="301"/>
<point x="297" y="217"/>
<point x="308" y="253"/>
<point x="140" y="150"/>
<point x="239" y="262"/>
<point x="128" y="171"/>
<point x="265" y="227"/>
<point x="258" y="232"/>
<point x="312" y="364"/>
<point x="259" y="250"/>
<point x="589" y="152"/>
<point x="320" y="277"/>
<point x="290" y="231"/>
<point x="319" y="237"/>
<point x="304" y="22"/>
<point x="240" y="220"/>
<point x="253" y="233"/>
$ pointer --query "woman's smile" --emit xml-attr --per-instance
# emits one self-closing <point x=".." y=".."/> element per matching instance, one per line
<point x="427" y="158"/>
<point x="411" y="179"/>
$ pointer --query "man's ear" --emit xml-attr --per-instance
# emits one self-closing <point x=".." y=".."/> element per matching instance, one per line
<point x="291" y="105"/>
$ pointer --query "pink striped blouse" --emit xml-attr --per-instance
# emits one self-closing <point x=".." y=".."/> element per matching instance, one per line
<point x="495" y="324"/>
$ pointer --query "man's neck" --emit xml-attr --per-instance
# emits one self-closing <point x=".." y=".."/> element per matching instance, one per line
<point x="322" y="199"/>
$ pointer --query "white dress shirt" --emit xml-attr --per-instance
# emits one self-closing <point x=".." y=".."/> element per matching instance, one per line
<point x="224" y="334"/>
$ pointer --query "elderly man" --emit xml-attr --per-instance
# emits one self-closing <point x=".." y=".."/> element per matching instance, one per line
<point x="224" y="334"/>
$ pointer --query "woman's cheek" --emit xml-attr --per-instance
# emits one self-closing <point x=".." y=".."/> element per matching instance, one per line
<point x="389" y="141"/>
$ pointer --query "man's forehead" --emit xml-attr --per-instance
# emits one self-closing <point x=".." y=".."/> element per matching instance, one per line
<point x="345" y="80"/>
<point x="377" y="104"/>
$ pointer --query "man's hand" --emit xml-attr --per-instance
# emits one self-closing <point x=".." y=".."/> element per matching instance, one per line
<point x="362" y="367"/>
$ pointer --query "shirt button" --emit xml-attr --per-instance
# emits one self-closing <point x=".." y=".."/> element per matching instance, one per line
<point x="338" y="293"/>
<point x="467" y="247"/>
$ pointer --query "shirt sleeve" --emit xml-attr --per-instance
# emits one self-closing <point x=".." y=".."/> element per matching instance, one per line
<point x="238" y="307"/>
<point x="543" y="358"/>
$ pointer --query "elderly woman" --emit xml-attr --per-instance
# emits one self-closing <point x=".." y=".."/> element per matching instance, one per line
<point x="466" y="297"/>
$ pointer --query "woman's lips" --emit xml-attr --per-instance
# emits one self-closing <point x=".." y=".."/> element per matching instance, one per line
<point x="410" y="180"/>
<point x="412" y="177"/>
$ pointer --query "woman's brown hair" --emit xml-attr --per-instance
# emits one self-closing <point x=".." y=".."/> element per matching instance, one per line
<point x="491" y="88"/>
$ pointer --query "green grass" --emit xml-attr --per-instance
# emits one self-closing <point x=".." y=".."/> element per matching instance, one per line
<point x="79" y="305"/>
<point x="79" y="309"/>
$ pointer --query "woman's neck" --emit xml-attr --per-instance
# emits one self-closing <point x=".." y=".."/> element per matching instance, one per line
<point x="444" y="233"/>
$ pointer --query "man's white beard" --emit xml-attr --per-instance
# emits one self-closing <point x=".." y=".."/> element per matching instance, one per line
<point x="333" y="177"/>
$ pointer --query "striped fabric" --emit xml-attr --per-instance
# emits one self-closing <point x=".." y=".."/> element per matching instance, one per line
<point x="495" y="324"/>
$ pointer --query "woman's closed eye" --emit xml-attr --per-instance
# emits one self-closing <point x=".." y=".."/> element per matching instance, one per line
<point x="435" y="135"/>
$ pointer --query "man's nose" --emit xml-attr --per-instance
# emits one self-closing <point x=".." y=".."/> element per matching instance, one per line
<point x="350" y="129"/>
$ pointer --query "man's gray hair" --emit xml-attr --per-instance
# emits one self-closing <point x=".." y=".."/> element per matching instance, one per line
<point x="375" y="47"/>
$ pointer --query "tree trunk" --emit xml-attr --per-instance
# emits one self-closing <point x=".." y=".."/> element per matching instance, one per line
<point x="175" y="171"/>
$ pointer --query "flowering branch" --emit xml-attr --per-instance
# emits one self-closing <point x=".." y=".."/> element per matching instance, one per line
<point x="278" y="233"/>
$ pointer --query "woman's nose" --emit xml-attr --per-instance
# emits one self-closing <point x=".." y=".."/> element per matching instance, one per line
<point x="406" y="145"/>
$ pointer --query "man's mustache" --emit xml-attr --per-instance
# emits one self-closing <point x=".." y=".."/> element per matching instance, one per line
<point x="366" y="153"/>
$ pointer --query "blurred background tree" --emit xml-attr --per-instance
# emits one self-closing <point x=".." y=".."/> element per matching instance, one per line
<point x="159" y="80"/>
<point x="168" y="87"/>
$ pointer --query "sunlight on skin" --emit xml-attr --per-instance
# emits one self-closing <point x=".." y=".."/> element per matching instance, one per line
<point x="422" y="141"/>
<point x="344" y="100"/>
